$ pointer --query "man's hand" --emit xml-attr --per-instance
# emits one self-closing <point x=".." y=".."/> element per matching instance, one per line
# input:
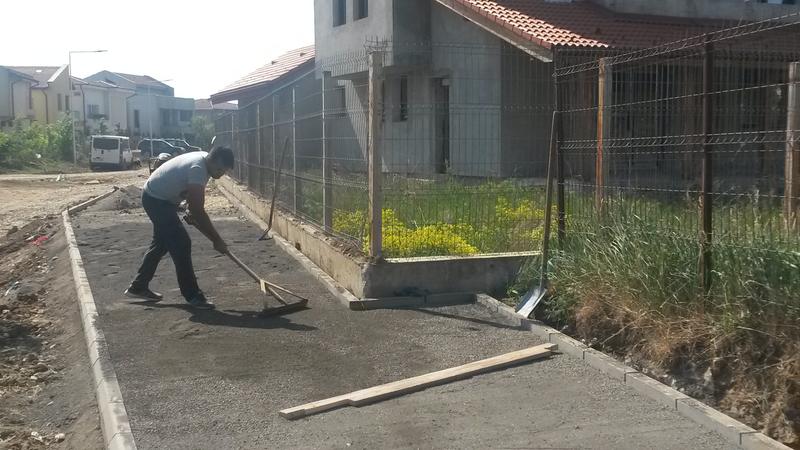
<point x="221" y="246"/>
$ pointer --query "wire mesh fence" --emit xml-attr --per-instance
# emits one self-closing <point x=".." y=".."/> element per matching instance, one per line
<point x="690" y="143"/>
<point x="689" y="149"/>
<point x="464" y="133"/>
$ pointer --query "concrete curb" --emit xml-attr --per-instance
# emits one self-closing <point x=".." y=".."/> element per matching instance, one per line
<point x="113" y="415"/>
<point x="731" y="429"/>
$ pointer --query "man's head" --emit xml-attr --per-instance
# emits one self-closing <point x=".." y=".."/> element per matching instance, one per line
<point x="219" y="161"/>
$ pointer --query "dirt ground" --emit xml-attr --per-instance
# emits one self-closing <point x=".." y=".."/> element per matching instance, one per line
<point x="46" y="395"/>
<point x="26" y="197"/>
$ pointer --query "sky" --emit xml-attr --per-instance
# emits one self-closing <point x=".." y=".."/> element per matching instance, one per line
<point x="202" y="46"/>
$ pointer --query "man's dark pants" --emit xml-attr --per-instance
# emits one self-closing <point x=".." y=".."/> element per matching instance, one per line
<point x="169" y="236"/>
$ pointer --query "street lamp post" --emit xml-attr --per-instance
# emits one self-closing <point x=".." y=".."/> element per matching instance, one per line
<point x="71" y="90"/>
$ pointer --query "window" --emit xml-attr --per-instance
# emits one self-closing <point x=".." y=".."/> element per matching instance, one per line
<point x="66" y="100"/>
<point x="136" y="118"/>
<point x="30" y="98"/>
<point x="360" y="9"/>
<point x="60" y="103"/>
<point x="339" y="12"/>
<point x="186" y="116"/>
<point x="401" y="113"/>
<point x="105" y="143"/>
<point x="93" y="111"/>
<point x="164" y="116"/>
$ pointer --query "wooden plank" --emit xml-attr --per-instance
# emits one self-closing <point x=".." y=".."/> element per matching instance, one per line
<point x="374" y="394"/>
<point x="792" y="180"/>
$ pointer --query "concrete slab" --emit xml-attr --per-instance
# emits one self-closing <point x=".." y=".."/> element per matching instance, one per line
<point x="216" y="379"/>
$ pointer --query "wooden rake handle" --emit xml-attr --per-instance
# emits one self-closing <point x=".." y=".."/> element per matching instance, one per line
<point x="265" y="285"/>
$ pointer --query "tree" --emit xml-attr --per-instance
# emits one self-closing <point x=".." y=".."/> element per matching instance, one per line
<point x="203" y="130"/>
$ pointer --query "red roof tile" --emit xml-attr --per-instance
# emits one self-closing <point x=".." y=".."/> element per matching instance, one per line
<point x="272" y="71"/>
<point x="580" y="23"/>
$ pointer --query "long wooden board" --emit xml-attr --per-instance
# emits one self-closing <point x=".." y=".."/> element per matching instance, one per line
<point x="384" y="391"/>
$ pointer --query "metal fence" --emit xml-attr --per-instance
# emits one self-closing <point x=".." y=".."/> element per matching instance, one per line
<point x="461" y="133"/>
<point x="693" y="143"/>
<point x="440" y="149"/>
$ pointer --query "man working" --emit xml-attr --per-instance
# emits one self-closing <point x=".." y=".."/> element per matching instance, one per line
<point x="183" y="177"/>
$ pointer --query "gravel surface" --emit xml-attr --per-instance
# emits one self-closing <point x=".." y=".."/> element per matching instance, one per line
<point x="217" y="379"/>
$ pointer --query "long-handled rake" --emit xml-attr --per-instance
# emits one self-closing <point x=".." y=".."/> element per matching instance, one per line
<point x="275" y="188"/>
<point x="266" y="287"/>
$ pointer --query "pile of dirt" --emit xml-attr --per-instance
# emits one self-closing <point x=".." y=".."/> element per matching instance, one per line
<point x="123" y="200"/>
<point x="751" y="375"/>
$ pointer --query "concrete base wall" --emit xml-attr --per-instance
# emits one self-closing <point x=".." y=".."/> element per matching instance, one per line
<point x="409" y="278"/>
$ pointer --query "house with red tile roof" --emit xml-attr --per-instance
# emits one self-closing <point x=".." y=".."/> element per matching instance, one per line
<point x="468" y="87"/>
<point x="288" y="67"/>
<point x="280" y="100"/>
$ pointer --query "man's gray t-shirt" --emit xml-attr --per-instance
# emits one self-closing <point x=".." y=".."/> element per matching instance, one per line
<point x="169" y="182"/>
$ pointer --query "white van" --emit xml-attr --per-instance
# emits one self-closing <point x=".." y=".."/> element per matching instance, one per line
<point x="111" y="152"/>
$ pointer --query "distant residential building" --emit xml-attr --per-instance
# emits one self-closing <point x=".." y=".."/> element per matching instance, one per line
<point x="51" y="99"/>
<point x="204" y="108"/>
<point x="102" y="105"/>
<point x="153" y="108"/>
<point x="16" y="97"/>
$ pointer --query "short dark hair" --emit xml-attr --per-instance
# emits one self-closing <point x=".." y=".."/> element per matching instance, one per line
<point x="222" y="155"/>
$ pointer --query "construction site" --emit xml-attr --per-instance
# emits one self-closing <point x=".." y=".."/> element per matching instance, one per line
<point x="474" y="225"/>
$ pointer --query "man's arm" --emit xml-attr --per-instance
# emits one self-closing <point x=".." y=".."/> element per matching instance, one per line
<point x="196" y="198"/>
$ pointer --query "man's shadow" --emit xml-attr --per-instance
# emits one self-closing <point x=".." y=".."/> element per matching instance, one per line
<point x="233" y="318"/>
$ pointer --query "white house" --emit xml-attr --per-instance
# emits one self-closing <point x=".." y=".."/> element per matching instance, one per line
<point x="16" y="99"/>
<point x="153" y="108"/>
<point x="101" y="107"/>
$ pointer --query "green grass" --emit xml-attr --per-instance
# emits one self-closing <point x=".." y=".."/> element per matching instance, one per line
<point x="630" y="257"/>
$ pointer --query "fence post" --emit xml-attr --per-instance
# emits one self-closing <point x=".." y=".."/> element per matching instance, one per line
<point x="260" y="170"/>
<point x="327" y="192"/>
<point x="274" y="139"/>
<point x="294" y="153"/>
<point x="791" y="196"/>
<point x="707" y="182"/>
<point x="236" y="147"/>
<point x="560" y="194"/>
<point x="375" y="159"/>
<point x="605" y="83"/>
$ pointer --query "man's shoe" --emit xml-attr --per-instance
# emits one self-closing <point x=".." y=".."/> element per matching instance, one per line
<point x="144" y="294"/>
<point x="200" y="301"/>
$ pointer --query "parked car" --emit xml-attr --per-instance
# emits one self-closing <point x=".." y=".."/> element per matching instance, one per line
<point x="151" y="148"/>
<point x="182" y="143"/>
<point x="111" y="152"/>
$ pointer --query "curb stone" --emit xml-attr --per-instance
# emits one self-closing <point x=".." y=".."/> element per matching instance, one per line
<point x="731" y="429"/>
<point x="114" y="420"/>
